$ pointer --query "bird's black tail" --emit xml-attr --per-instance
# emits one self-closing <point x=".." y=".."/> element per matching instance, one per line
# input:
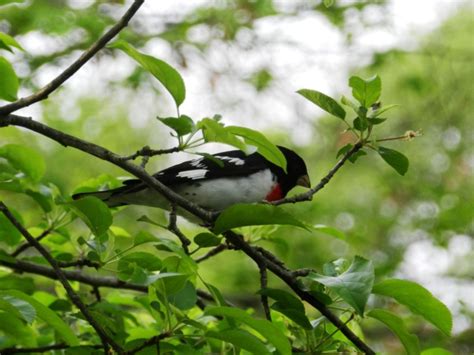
<point x="105" y="196"/>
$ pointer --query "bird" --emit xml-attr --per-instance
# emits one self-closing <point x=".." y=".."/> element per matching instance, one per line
<point x="214" y="182"/>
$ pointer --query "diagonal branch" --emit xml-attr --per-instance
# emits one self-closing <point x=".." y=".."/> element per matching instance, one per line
<point x="62" y="278"/>
<point x="308" y="195"/>
<point x="75" y="66"/>
<point x="107" y="155"/>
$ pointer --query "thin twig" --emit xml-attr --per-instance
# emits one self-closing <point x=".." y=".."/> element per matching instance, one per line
<point x="27" y="245"/>
<point x="146" y="151"/>
<point x="63" y="279"/>
<point x="152" y="341"/>
<point x="263" y="285"/>
<point x="214" y="251"/>
<point x="76" y="65"/>
<point x="308" y="195"/>
<point x="42" y="349"/>
<point x="329" y="336"/>
<point x="79" y="263"/>
<point x="173" y="227"/>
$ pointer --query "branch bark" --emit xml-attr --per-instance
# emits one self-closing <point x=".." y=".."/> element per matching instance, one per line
<point x="62" y="278"/>
<point x="75" y="66"/>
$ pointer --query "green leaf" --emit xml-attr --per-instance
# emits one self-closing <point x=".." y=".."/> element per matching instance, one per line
<point x="94" y="213"/>
<point x="333" y="232"/>
<point x="25" y="159"/>
<point x="147" y="219"/>
<point x="182" y="125"/>
<point x="436" y="351"/>
<point x="419" y="300"/>
<point x="165" y="73"/>
<point x="266" y="148"/>
<point x="409" y="341"/>
<point x="206" y="240"/>
<point x="367" y="92"/>
<point x="383" y="109"/>
<point x="354" y="285"/>
<point x="47" y="315"/>
<point x="395" y="159"/>
<point x="8" y="232"/>
<point x="214" y="131"/>
<point x="7" y="41"/>
<point x="325" y="102"/>
<point x="26" y="310"/>
<point x="240" y="215"/>
<point x="144" y="237"/>
<point x="6" y="2"/>
<point x="14" y="282"/>
<point x="9" y="83"/>
<point x="267" y="329"/>
<point x="288" y="305"/>
<point x="328" y="3"/>
<point x="16" y="330"/>
<point x="241" y="339"/>
<point x="185" y="298"/>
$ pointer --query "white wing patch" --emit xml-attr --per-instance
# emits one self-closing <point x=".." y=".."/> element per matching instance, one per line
<point x="197" y="163"/>
<point x="235" y="161"/>
<point x="193" y="174"/>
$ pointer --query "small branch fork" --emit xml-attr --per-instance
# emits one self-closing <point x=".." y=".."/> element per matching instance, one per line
<point x="173" y="227"/>
<point x="264" y="259"/>
<point x="106" y="339"/>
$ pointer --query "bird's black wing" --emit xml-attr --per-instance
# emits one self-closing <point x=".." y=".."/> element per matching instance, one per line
<point x="234" y="163"/>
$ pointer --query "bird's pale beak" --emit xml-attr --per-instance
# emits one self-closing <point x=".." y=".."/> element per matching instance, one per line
<point x="303" y="181"/>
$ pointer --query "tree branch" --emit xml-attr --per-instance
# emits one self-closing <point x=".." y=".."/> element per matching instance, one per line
<point x="105" y="154"/>
<point x="63" y="279"/>
<point x="263" y="285"/>
<point x="308" y="195"/>
<point x="75" y="66"/>
<point x="214" y="251"/>
<point x="287" y="276"/>
<point x="27" y="245"/>
<point x="173" y="228"/>
<point x="146" y="151"/>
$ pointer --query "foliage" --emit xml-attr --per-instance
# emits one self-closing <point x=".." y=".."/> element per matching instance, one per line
<point x="169" y="280"/>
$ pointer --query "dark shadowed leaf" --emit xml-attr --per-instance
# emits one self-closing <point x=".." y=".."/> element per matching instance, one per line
<point x="395" y="159"/>
<point x="9" y="81"/>
<point x="409" y="341"/>
<point x="288" y="305"/>
<point x="267" y="329"/>
<point x="241" y="339"/>
<point x="325" y="102"/>
<point x="419" y="300"/>
<point x="185" y="298"/>
<point x="25" y="159"/>
<point x="94" y="213"/>
<point x="165" y="73"/>
<point x="241" y="215"/>
<point x="353" y="286"/>
<point x="206" y="240"/>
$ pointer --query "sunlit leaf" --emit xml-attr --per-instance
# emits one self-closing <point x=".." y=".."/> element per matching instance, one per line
<point x="333" y="232"/>
<point x="266" y="148"/>
<point x="368" y="91"/>
<point x="395" y="159"/>
<point x="9" y="81"/>
<point x="214" y="131"/>
<point x="165" y="73"/>
<point x="353" y="286"/>
<point x="240" y="215"/>
<point x="182" y="125"/>
<point x="436" y="351"/>
<point x="25" y="159"/>
<point x="409" y="341"/>
<point x="47" y="315"/>
<point x="419" y="300"/>
<point x="6" y="42"/>
<point x="325" y="102"/>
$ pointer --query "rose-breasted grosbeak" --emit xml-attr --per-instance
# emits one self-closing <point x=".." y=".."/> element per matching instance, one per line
<point x="239" y="178"/>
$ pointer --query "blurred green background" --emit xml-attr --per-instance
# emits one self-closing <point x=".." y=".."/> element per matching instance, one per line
<point x="234" y="62"/>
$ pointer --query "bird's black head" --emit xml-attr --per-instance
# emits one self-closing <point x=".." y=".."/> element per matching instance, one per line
<point x="296" y="171"/>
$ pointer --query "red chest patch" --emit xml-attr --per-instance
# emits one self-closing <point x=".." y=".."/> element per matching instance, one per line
<point x="274" y="194"/>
